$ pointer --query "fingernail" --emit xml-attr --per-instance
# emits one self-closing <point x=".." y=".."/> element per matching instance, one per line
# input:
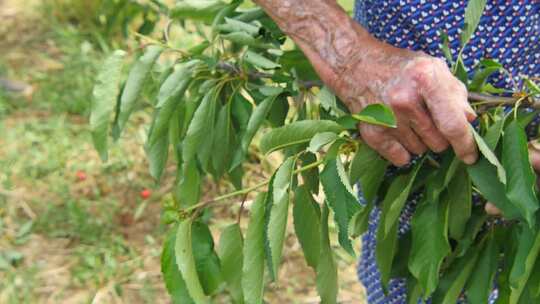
<point x="469" y="159"/>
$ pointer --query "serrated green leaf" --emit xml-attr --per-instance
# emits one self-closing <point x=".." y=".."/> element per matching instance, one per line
<point x="368" y="168"/>
<point x="474" y="225"/>
<point x="385" y="250"/>
<point x="395" y="199"/>
<point x="240" y="26"/>
<point x="454" y="280"/>
<point x="188" y="187"/>
<point x="253" y="265"/>
<point x="377" y="114"/>
<point x="299" y="132"/>
<point x="279" y="212"/>
<point x="223" y="142"/>
<point x="104" y="96"/>
<point x="481" y="281"/>
<point x="230" y="253"/>
<point x="320" y="140"/>
<point x="459" y="199"/>
<point x="202" y="10"/>
<point x="327" y="275"/>
<point x="176" y="83"/>
<point x="361" y="221"/>
<point x="260" y="61"/>
<point x="246" y="40"/>
<point x="135" y="82"/>
<point x="489" y="155"/>
<point x="206" y="259"/>
<point x="186" y="262"/>
<point x="311" y="176"/>
<point x="493" y="133"/>
<point x="521" y="185"/>
<point x="341" y="199"/>
<point x="253" y="125"/>
<point x="484" y="177"/>
<point x="176" y="286"/>
<point x="198" y="128"/>
<point x="158" y="153"/>
<point x="527" y="253"/>
<point x="307" y="225"/>
<point x="328" y="102"/>
<point x="429" y="243"/>
<point x="473" y="12"/>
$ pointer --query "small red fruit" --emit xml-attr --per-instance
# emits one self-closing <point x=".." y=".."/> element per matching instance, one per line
<point x="146" y="193"/>
<point x="81" y="175"/>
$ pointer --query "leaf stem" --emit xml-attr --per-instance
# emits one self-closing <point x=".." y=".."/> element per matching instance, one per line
<point x="246" y="191"/>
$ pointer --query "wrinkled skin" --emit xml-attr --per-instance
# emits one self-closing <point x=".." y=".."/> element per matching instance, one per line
<point x="534" y="157"/>
<point x="429" y="102"/>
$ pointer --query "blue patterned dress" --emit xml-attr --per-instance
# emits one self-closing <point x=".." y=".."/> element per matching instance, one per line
<point x="509" y="31"/>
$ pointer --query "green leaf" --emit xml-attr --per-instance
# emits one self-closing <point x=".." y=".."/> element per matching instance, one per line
<point x="328" y="102"/>
<point x="206" y="259"/>
<point x="480" y="77"/>
<point x="239" y="26"/>
<point x="279" y="213"/>
<point x="198" y="128"/>
<point x="489" y="155"/>
<point x="474" y="225"/>
<point x="253" y="125"/>
<point x="157" y="156"/>
<point x="202" y="10"/>
<point x="385" y="250"/>
<point x="521" y="185"/>
<point x="454" y="280"/>
<point x="176" y="286"/>
<point x="223" y="141"/>
<point x="327" y="275"/>
<point x="135" y="82"/>
<point x="311" y="176"/>
<point x="320" y="140"/>
<point x="361" y="221"/>
<point x="473" y="12"/>
<point x="481" y="281"/>
<point x="260" y="61"/>
<point x="341" y="199"/>
<point x="176" y="83"/>
<point x="186" y="262"/>
<point x="278" y="112"/>
<point x="526" y="256"/>
<point x="188" y="189"/>
<point x="253" y="265"/>
<point x="104" y="96"/>
<point x="368" y="167"/>
<point x="493" y="133"/>
<point x="429" y="243"/>
<point x="484" y="177"/>
<point x="230" y="253"/>
<point x="307" y="225"/>
<point x="459" y="199"/>
<point x="246" y="39"/>
<point x="377" y="114"/>
<point x="395" y="199"/>
<point x="298" y="132"/>
<point x="294" y="61"/>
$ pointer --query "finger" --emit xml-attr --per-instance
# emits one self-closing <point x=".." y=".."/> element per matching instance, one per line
<point x="380" y="140"/>
<point x="422" y="124"/>
<point x="446" y="98"/>
<point x="407" y="137"/>
<point x="534" y="157"/>
<point x="492" y="210"/>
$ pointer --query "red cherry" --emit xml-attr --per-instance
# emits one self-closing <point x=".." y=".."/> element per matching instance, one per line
<point x="81" y="175"/>
<point x="146" y="193"/>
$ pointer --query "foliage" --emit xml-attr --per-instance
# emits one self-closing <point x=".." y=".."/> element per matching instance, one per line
<point x="243" y="78"/>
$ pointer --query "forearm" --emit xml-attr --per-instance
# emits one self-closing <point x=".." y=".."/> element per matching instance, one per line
<point x="337" y="46"/>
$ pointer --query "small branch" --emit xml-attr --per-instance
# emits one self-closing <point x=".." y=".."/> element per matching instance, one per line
<point x="246" y="190"/>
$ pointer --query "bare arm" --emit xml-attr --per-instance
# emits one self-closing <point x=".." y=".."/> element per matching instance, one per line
<point x="430" y="104"/>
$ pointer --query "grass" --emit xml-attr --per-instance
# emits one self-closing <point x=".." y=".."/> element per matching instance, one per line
<point x="67" y="239"/>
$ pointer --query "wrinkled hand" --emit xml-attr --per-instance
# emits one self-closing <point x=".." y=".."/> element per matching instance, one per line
<point x="430" y="105"/>
<point x="534" y="157"/>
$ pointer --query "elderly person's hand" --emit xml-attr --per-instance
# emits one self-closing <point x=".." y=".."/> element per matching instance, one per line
<point x="534" y="156"/>
<point x="430" y="104"/>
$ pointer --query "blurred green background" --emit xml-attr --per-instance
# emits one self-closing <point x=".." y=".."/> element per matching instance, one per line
<point x="74" y="229"/>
